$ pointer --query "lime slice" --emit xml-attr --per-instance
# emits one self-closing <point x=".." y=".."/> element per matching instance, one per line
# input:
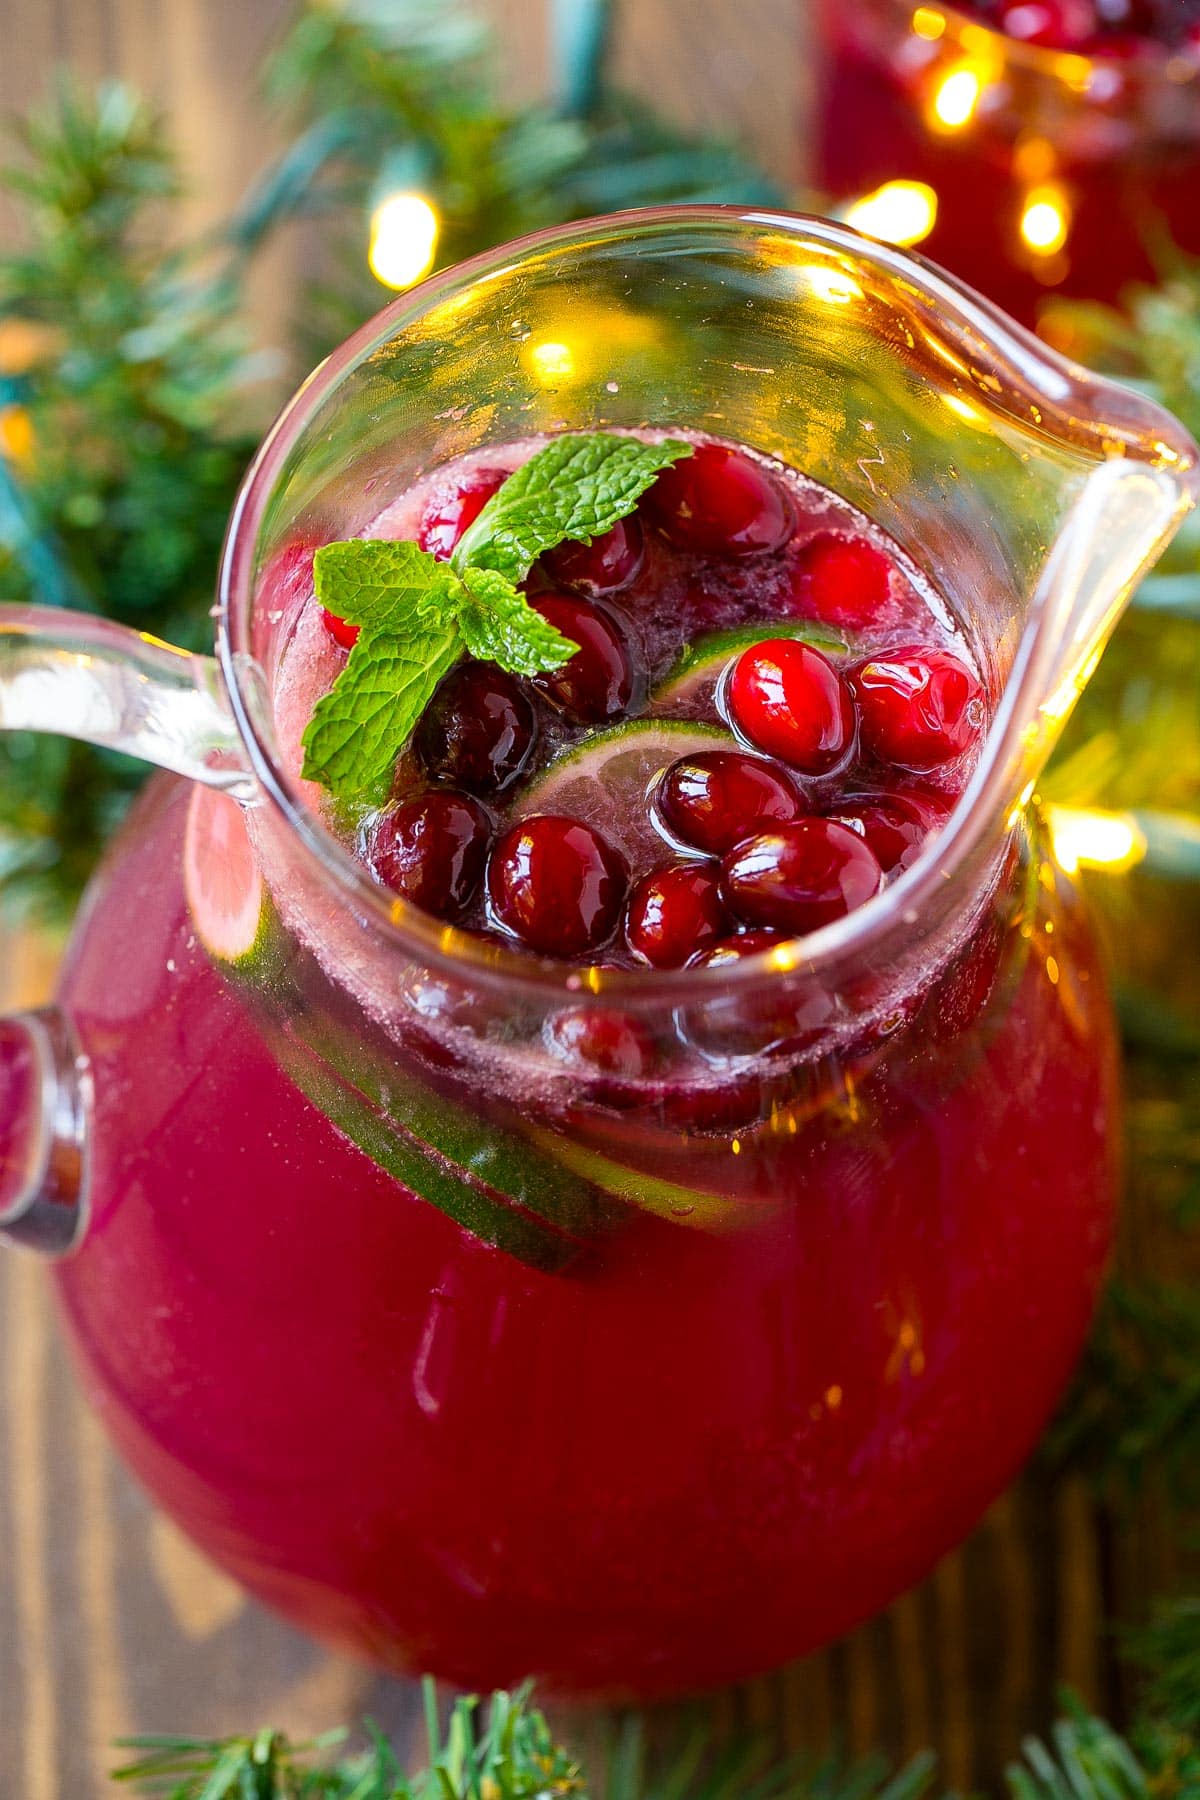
<point x="225" y="892"/>
<point x="692" y="681"/>
<point x="605" y="780"/>
<point x="691" y="1207"/>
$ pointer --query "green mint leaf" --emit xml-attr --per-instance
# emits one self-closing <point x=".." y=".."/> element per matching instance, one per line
<point x="499" y="625"/>
<point x="575" y="488"/>
<point x="360" y="726"/>
<point x="383" y="584"/>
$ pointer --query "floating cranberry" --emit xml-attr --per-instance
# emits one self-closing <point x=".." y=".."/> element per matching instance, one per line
<point x="444" y="521"/>
<point x="597" y="683"/>
<point x="478" y="730"/>
<point x="734" y="949"/>
<point x="842" y="580"/>
<point x="340" y="630"/>
<point x="789" y="700"/>
<point x="608" y="563"/>
<point x="432" y="851"/>
<point x="896" y="826"/>
<point x="718" y="502"/>
<point x="673" y="912"/>
<point x="556" y="884"/>
<point x="604" y="1038"/>
<point x="918" y="707"/>
<point x="800" y="876"/>
<point x="714" y="798"/>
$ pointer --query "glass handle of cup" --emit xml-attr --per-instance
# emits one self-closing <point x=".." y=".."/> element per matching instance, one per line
<point x="83" y="677"/>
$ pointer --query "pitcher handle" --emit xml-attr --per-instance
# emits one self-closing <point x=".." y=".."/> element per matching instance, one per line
<point x="84" y="677"/>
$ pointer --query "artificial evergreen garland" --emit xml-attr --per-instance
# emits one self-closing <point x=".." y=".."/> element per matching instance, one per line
<point x="129" y="403"/>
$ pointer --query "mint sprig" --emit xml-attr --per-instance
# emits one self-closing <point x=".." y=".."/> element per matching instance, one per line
<point x="417" y="616"/>
<point x="576" y="488"/>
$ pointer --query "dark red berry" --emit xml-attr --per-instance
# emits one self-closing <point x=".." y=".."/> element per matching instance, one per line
<point x="918" y="707"/>
<point x="896" y="826"/>
<point x="733" y="949"/>
<point x="603" y="1038"/>
<point x="340" y="630"/>
<point x="788" y="700"/>
<point x="478" y="730"/>
<point x="800" y="876"/>
<point x="444" y="521"/>
<point x="714" y="798"/>
<point x="842" y="580"/>
<point x="673" y="912"/>
<point x="432" y="851"/>
<point x="556" y="884"/>
<point x="606" y="564"/>
<point x="597" y="683"/>
<point x="718" y="502"/>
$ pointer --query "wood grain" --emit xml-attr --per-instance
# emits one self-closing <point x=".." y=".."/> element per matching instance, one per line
<point x="110" y="1622"/>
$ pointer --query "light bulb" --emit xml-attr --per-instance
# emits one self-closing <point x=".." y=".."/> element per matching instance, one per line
<point x="404" y="235"/>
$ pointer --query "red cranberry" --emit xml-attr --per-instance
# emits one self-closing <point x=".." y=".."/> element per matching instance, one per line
<point x="918" y="707"/>
<point x="714" y="798"/>
<point x="718" y="502"/>
<point x="1051" y="24"/>
<point x="800" y="876"/>
<point x="444" y="521"/>
<point x="597" y="683"/>
<point x="556" y="884"/>
<point x="732" y="949"/>
<point x="609" y="562"/>
<point x="478" y="729"/>
<point x="788" y="700"/>
<point x="604" y="1038"/>
<point x="896" y="826"/>
<point x="842" y="580"/>
<point x="432" y="850"/>
<point x="340" y="630"/>
<point x="673" y="912"/>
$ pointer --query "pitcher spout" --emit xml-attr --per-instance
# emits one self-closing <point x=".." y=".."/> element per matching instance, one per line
<point x="1125" y="513"/>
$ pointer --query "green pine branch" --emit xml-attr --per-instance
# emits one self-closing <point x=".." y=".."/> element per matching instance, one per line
<point x="128" y="417"/>
<point x="506" y="1751"/>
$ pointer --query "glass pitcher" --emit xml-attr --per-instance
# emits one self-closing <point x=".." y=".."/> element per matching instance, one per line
<point x="456" y="1357"/>
<point x="1083" y="167"/>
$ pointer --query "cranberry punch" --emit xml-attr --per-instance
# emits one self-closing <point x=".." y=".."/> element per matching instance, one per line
<point x="607" y="1181"/>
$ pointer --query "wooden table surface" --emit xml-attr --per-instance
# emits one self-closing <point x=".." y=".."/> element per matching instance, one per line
<point x="109" y="1622"/>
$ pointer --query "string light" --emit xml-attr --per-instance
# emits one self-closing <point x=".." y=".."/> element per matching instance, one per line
<point x="899" y="212"/>
<point x="404" y="236"/>
<point x="928" y="23"/>
<point x="1089" y="839"/>
<point x="955" y="99"/>
<point x="1045" y="219"/>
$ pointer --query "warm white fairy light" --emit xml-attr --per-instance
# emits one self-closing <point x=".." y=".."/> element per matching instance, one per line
<point x="404" y="235"/>
<point x="1085" y="838"/>
<point x="1045" y="219"/>
<point x="899" y="212"/>
<point x="956" y="97"/>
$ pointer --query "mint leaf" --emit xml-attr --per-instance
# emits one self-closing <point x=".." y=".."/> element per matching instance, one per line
<point x="575" y="488"/>
<point x="384" y="584"/>
<point x="499" y="625"/>
<point x="361" y="725"/>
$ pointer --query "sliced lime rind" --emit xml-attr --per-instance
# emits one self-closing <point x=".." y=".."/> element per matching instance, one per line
<point x="652" y="744"/>
<point x="693" y="1207"/>
<point x="704" y="661"/>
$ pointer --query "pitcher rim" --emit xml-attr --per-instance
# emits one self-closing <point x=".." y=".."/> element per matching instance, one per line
<point x="983" y="804"/>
